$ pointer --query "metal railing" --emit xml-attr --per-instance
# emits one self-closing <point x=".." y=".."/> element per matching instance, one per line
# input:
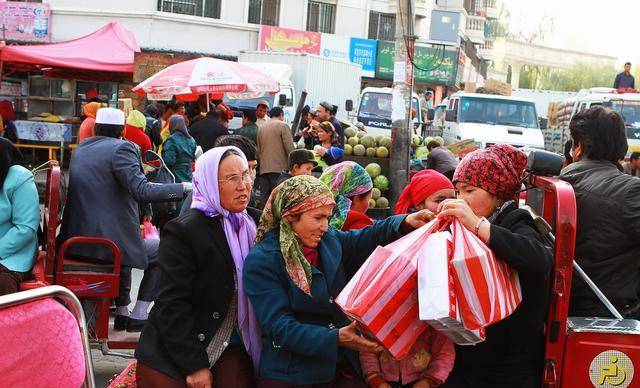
<point x="203" y="8"/>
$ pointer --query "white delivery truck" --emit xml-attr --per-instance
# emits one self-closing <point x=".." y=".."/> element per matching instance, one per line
<point x="627" y="104"/>
<point x="324" y="79"/>
<point x="374" y="111"/>
<point x="491" y="119"/>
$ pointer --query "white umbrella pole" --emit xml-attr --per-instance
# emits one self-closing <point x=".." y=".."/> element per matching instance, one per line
<point x="208" y="102"/>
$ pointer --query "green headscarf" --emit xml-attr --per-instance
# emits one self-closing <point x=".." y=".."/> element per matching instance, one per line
<point x="294" y="196"/>
<point x="346" y="179"/>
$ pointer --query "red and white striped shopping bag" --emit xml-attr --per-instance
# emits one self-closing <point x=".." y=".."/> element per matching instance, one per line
<point x="488" y="290"/>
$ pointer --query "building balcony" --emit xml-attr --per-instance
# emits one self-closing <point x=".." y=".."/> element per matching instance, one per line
<point x="491" y="9"/>
<point x="485" y="50"/>
<point x="475" y="29"/>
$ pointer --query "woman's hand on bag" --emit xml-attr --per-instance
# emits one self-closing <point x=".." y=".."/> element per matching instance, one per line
<point x="349" y="338"/>
<point x="416" y="220"/>
<point x="202" y="378"/>
<point x="460" y="209"/>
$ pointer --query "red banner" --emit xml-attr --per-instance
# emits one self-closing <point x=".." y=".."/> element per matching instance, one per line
<point x="286" y="39"/>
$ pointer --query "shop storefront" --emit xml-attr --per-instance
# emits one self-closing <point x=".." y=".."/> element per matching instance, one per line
<point x="57" y="80"/>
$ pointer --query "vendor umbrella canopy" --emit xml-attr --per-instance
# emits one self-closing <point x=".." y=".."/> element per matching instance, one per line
<point x="186" y="80"/>
<point x="110" y="49"/>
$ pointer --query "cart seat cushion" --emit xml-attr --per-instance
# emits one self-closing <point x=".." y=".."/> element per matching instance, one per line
<point x="45" y="346"/>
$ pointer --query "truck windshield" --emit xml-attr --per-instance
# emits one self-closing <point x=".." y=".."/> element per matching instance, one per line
<point x="248" y="103"/>
<point x="374" y="105"/>
<point x="630" y="111"/>
<point x="498" y="111"/>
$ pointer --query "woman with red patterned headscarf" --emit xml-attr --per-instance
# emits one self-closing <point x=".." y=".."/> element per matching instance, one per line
<point x="488" y="182"/>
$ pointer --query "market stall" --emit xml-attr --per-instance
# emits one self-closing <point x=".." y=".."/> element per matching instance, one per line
<point x="58" y="79"/>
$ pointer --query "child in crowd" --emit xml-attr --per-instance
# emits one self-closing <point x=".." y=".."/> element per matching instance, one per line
<point x="427" y="365"/>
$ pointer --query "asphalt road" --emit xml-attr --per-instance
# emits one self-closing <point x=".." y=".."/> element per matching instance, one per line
<point x="105" y="367"/>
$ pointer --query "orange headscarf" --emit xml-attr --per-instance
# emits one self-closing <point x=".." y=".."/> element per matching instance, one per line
<point x="91" y="109"/>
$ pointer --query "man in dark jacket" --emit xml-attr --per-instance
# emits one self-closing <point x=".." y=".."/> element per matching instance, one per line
<point x="106" y="185"/>
<point x="207" y="130"/>
<point x="608" y="235"/>
<point x="625" y="80"/>
<point x="154" y="126"/>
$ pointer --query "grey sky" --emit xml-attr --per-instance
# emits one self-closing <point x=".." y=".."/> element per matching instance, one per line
<point x="584" y="25"/>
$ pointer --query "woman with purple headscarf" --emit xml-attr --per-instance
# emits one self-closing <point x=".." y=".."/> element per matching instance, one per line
<point x="202" y="331"/>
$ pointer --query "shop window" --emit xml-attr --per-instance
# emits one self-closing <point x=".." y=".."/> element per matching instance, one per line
<point x="203" y="8"/>
<point x="321" y="17"/>
<point x="264" y="12"/>
<point x="382" y="26"/>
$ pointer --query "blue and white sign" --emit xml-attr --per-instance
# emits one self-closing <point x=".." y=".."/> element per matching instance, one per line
<point x="363" y="52"/>
<point x="335" y="46"/>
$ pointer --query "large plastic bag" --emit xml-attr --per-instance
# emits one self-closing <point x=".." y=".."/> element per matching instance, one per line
<point x="488" y="290"/>
<point x="382" y="296"/>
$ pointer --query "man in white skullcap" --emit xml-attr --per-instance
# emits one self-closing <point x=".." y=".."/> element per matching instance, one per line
<point x="106" y="185"/>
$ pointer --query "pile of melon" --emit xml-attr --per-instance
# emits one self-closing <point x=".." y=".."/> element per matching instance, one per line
<point x="360" y="144"/>
<point x="380" y="186"/>
<point x="420" y="145"/>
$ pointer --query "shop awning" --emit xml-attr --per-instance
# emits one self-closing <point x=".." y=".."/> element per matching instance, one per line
<point x="110" y="49"/>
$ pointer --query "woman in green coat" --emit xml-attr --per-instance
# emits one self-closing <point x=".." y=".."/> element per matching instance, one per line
<point x="179" y="150"/>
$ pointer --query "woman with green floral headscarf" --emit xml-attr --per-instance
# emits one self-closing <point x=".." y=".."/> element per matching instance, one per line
<point x="351" y="186"/>
<point x="292" y="275"/>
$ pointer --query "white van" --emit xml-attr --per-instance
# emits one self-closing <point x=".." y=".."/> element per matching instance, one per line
<point x="374" y="111"/>
<point x="492" y="119"/>
<point x="627" y="104"/>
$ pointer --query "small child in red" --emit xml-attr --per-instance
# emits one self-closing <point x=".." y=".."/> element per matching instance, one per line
<point x="428" y="364"/>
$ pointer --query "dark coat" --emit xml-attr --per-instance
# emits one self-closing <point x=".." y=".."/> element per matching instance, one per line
<point x="207" y="131"/>
<point x="195" y="287"/>
<point x="178" y="153"/>
<point x="514" y="348"/>
<point x="300" y="333"/>
<point x="106" y="186"/>
<point x="608" y="236"/>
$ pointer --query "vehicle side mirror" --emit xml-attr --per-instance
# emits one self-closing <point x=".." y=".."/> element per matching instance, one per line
<point x="544" y="122"/>
<point x="348" y="105"/>
<point x="544" y="163"/>
<point x="282" y="100"/>
<point x="431" y="113"/>
<point x="451" y="115"/>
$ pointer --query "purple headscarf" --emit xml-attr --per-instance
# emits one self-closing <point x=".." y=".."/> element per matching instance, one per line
<point x="240" y="231"/>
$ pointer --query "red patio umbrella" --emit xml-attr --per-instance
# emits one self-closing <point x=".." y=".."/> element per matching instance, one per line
<point x="215" y="77"/>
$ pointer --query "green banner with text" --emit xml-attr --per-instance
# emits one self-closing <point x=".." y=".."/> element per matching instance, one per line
<point x="441" y="69"/>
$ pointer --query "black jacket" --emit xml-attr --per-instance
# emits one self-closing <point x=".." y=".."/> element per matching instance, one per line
<point x="608" y="236"/>
<point x="206" y="132"/>
<point x="152" y="130"/>
<point x="514" y="348"/>
<point x="195" y="287"/>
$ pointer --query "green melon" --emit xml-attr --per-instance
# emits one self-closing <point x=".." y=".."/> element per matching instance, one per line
<point x="371" y="152"/>
<point x="348" y="150"/>
<point x="440" y="140"/>
<point x="373" y="169"/>
<point x="368" y="141"/>
<point x="382" y="203"/>
<point x="375" y="193"/>
<point x="415" y="140"/>
<point x="353" y="141"/>
<point x="350" y="132"/>
<point x="428" y="140"/>
<point x="372" y="203"/>
<point x="359" y="150"/>
<point x="382" y="152"/>
<point x="381" y="182"/>
<point x="385" y="142"/>
<point x="379" y="139"/>
<point x="361" y="134"/>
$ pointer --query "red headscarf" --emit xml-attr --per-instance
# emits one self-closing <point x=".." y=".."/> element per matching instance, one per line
<point x="422" y="186"/>
<point x="497" y="170"/>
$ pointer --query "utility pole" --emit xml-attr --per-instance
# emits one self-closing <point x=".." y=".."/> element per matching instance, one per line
<point x="401" y="106"/>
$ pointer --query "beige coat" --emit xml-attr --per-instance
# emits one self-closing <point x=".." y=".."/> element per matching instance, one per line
<point x="275" y="142"/>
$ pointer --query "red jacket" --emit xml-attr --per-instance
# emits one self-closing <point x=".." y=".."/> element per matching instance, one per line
<point x="136" y="135"/>
<point x="356" y="220"/>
